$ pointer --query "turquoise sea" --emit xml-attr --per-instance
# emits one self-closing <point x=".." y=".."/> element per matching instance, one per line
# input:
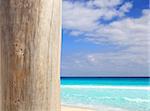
<point x="129" y="94"/>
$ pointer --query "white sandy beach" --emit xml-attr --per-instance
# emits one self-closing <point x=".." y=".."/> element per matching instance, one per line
<point x="102" y="108"/>
<point x="67" y="108"/>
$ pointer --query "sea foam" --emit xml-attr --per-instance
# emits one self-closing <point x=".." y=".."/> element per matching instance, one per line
<point x="106" y="87"/>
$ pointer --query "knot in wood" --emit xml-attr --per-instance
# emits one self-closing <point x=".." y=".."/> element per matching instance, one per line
<point x="19" y="48"/>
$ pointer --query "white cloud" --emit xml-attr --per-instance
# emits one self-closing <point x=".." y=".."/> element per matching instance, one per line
<point x="78" y="17"/>
<point x="83" y="16"/>
<point x="75" y="33"/>
<point x="130" y="62"/>
<point x="104" y="3"/>
<point x="128" y="31"/>
<point x="84" y="19"/>
<point x="125" y="8"/>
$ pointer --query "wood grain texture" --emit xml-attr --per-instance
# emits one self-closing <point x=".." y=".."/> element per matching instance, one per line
<point x="30" y="43"/>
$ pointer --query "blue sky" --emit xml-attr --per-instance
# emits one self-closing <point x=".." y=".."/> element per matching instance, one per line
<point x="105" y="38"/>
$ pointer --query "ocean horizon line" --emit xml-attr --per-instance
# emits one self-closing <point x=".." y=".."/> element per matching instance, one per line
<point x="104" y="77"/>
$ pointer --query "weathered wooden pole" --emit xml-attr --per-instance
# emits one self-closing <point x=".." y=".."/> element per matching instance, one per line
<point x="30" y="41"/>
